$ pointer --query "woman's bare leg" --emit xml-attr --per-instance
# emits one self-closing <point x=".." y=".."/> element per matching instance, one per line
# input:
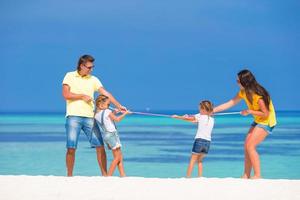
<point x="247" y="162"/>
<point x="258" y="135"/>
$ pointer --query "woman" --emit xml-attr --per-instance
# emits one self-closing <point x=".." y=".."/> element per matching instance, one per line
<point x="261" y="107"/>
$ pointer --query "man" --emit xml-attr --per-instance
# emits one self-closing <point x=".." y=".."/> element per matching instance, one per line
<point x="78" y="89"/>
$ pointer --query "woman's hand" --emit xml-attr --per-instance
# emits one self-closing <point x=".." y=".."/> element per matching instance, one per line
<point x="245" y="112"/>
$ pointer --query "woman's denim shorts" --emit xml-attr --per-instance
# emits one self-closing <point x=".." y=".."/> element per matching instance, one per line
<point x="111" y="139"/>
<point x="201" y="146"/>
<point x="265" y="127"/>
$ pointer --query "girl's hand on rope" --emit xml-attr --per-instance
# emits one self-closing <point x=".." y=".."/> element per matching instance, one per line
<point x="186" y="116"/>
<point x="122" y="108"/>
<point x="127" y="112"/>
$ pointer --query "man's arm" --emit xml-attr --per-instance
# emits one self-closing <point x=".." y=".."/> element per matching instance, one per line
<point x="112" y="99"/>
<point x="68" y="95"/>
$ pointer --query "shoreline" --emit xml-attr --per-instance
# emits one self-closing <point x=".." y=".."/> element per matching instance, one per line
<point x="81" y="187"/>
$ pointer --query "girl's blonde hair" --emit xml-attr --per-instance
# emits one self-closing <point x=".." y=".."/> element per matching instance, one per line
<point x="207" y="106"/>
<point x="101" y="99"/>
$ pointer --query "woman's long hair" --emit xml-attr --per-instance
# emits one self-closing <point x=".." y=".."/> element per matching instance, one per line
<point x="251" y="87"/>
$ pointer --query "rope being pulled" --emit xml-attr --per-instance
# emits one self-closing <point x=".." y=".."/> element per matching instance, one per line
<point x="164" y="115"/>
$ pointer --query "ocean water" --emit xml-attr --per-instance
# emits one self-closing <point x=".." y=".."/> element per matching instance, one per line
<point x="34" y="144"/>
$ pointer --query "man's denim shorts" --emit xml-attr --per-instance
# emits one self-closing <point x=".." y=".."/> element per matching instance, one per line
<point x="112" y="139"/>
<point x="265" y="127"/>
<point x="200" y="146"/>
<point x="74" y="124"/>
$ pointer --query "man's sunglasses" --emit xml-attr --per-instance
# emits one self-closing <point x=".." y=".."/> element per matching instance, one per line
<point x="91" y="67"/>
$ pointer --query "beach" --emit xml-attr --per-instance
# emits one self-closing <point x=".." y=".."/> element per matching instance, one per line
<point x="129" y="188"/>
<point x="156" y="155"/>
<point x="194" y="88"/>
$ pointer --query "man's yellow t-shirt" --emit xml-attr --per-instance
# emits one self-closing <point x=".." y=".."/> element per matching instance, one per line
<point x="270" y="120"/>
<point x="87" y="85"/>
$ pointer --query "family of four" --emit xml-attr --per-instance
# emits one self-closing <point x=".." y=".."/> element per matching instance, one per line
<point x="97" y="120"/>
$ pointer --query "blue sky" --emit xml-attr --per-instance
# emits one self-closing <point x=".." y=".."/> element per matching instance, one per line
<point x="149" y="54"/>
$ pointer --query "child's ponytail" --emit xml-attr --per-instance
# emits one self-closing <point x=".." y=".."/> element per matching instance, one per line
<point x="207" y="106"/>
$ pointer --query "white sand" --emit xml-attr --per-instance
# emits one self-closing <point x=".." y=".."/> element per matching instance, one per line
<point x="135" y="188"/>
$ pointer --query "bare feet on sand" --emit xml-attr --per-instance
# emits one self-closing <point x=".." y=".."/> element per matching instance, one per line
<point x="244" y="176"/>
<point x="255" y="177"/>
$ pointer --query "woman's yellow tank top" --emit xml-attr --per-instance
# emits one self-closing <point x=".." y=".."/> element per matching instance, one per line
<point x="270" y="120"/>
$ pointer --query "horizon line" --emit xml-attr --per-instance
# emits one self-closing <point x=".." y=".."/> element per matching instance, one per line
<point x="154" y="110"/>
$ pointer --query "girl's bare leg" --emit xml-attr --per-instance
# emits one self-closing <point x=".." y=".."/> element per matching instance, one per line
<point x="194" y="158"/>
<point x="200" y="166"/>
<point x="120" y="165"/>
<point x="115" y="162"/>
<point x="258" y="135"/>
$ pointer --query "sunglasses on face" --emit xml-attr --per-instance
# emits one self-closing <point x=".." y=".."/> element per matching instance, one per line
<point x="89" y="68"/>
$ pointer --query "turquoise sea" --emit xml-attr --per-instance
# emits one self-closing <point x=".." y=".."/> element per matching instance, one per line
<point x="34" y="144"/>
